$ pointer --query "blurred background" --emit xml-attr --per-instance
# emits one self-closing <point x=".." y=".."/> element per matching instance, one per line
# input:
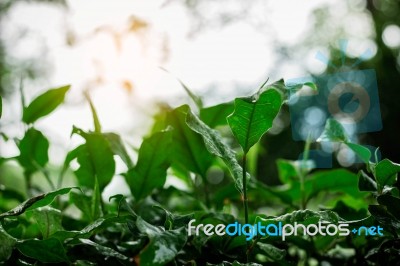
<point x="119" y="51"/>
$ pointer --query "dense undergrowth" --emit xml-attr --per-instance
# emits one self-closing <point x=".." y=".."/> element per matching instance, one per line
<point x="206" y="149"/>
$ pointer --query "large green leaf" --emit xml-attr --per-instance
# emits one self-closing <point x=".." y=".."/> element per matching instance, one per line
<point x="150" y="171"/>
<point x="33" y="149"/>
<point x="96" y="160"/>
<point x="215" y="145"/>
<point x="36" y="202"/>
<point x="48" y="250"/>
<point x="164" y="245"/>
<point x="44" y="104"/>
<point x="385" y="172"/>
<point x="48" y="220"/>
<point x="188" y="147"/>
<point x="253" y="116"/>
<point x="216" y="115"/>
<point x="7" y="244"/>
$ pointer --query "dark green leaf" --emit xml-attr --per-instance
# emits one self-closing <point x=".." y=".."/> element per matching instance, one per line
<point x="7" y="244"/>
<point x="150" y="171"/>
<point x="188" y="147"/>
<point x="215" y="145"/>
<point x="36" y="202"/>
<point x="48" y="220"/>
<point x="366" y="183"/>
<point x="303" y="217"/>
<point x="253" y="116"/>
<point x="48" y="251"/>
<point x="385" y="172"/>
<point x="216" y="115"/>
<point x="44" y="104"/>
<point x="33" y="151"/>
<point x="392" y="204"/>
<point x="272" y="252"/>
<point x="106" y="251"/>
<point x="96" y="160"/>
<point x="163" y="246"/>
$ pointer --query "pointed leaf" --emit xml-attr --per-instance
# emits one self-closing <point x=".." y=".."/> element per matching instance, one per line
<point x="150" y="171"/>
<point x="36" y="202"/>
<point x="44" y="104"/>
<point x="118" y="148"/>
<point x="253" y="116"/>
<point x="215" y="145"/>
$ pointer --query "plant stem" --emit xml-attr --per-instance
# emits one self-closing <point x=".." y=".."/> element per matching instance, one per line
<point x="303" y="171"/>
<point x="245" y="201"/>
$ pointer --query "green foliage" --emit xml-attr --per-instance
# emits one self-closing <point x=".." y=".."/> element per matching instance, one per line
<point x="74" y="225"/>
<point x="44" y="104"/>
<point x="150" y="171"/>
<point x="253" y="116"/>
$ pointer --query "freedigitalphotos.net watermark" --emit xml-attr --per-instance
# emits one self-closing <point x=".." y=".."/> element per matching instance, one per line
<point x="279" y="229"/>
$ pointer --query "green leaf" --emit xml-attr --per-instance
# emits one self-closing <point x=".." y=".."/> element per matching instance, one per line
<point x="96" y="121"/>
<point x="1" y="106"/>
<point x="188" y="147"/>
<point x="150" y="171"/>
<point x="163" y="246"/>
<point x="83" y="203"/>
<point x="48" y="220"/>
<point x="48" y="251"/>
<point x="106" y="251"/>
<point x="96" y="203"/>
<point x="366" y="183"/>
<point x="7" y="244"/>
<point x="33" y="149"/>
<point x="392" y="204"/>
<point x="272" y="252"/>
<point x="36" y="202"/>
<point x="361" y="151"/>
<point x="385" y="172"/>
<point x="118" y="148"/>
<point x="44" y="104"/>
<point x="215" y="145"/>
<point x="96" y="160"/>
<point x="334" y="132"/>
<point x="253" y="116"/>
<point x="214" y="116"/>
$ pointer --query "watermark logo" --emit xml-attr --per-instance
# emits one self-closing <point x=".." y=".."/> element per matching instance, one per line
<point x="349" y="96"/>
<point x="251" y="231"/>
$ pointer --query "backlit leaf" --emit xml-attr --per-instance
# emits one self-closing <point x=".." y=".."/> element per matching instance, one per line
<point x="44" y="104"/>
